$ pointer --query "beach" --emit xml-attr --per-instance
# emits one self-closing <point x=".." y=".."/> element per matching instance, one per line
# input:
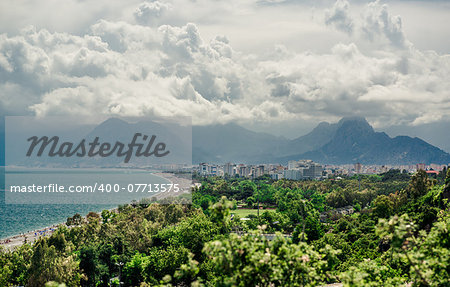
<point x="29" y="237"/>
<point x="185" y="184"/>
<point x="12" y="242"/>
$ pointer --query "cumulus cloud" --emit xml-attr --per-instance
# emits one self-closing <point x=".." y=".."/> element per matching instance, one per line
<point x="339" y="17"/>
<point x="148" y="13"/>
<point x="136" y="67"/>
<point x="379" y="23"/>
<point x="375" y="24"/>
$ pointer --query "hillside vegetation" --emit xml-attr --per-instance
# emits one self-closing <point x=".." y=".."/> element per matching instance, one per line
<point x="385" y="230"/>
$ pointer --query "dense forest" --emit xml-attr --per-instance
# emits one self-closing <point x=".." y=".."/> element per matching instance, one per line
<point x="390" y="229"/>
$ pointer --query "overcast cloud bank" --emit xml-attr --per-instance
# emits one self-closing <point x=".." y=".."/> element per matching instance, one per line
<point x="138" y="65"/>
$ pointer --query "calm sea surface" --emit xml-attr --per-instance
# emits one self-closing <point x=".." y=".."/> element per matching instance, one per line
<point x="20" y="218"/>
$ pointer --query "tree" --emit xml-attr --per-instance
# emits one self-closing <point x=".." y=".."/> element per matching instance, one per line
<point x="88" y="265"/>
<point x="161" y="261"/>
<point x="14" y="265"/>
<point x="220" y="214"/>
<point x="246" y="189"/>
<point x="383" y="206"/>
<point x="426" y="255"/>
<point x="253" y="260"/>
<point x="419" y="184"/>
<point x="446" y="192"/>
<point x="133" y="272"/>
<point x="304" y="219"/>
<point x="49" y="265"/>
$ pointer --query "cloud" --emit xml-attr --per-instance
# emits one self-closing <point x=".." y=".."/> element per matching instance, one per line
<point x="139" y="67"/>
<point x="375" y="24"/>
<point x="339" y="17"/>
<point x="379" y="23"/>
<point x="148" y="13"/>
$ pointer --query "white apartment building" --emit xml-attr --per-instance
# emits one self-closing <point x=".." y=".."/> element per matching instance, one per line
<point x="303" y="169"/>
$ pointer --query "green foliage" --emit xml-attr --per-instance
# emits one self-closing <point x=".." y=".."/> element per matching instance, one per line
<point x="383" y="206"/>
<point x="371" y="273"/>
<point x="201" y="245"/>
<point x="161" y="261"/>
<point x="447" y="185"/>
<point x="253" y="260"/>
<point x="220" y="214"/>
<point x="419" y="185"/>
<point x="191" y="232"/>
<point x="427" y="255"/>
<point x="394" y="175"/>
<point x="50" y="264"/>
<point x="342" y="197"/>
<point x="14" y="265"/>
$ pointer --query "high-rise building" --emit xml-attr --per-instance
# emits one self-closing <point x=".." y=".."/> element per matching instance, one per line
<point x="293" y="174"/>
<point x="307" y="168"/>
<point x="259" y="171"/>
<point x="358" y="167"/>
<point x="203" y="169"/>
<point x="244" y="171"/>
<point x="313" y="171"/>
<point x="292" y="164"/>
<point x="207" y="169"/>
<point x="229" y="169"/>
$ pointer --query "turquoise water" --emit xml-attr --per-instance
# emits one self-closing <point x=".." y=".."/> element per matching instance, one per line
<point x="20" y="218"/>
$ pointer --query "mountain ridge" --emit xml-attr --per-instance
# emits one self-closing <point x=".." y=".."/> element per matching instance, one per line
<point x="350" y="140"/>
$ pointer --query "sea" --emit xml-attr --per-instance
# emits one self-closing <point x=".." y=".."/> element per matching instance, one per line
<point x="21" y="218"/>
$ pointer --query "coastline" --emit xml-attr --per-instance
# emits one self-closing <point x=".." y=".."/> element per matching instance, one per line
<point x="28" y="237"/>
<point x="17" y="240"/>
<point x="184" y="183"/>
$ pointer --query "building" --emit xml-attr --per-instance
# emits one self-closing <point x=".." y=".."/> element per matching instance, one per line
<point x="307" y="169"/>
<point x="293" y="174"/>
<point x="432" y="173"/>
<point x="292" y="164"/>
<point x="203" y="168"/>
<point x="420" y="166"/>
<point x="208" y="170"/>
<point x="276" y="176"/>
<point x="358" y="167"/>
<point x="258" y="171"/>
<point x="229" y="169"/>
<point x="244" y="171"/>
<point x="313" y="171"/>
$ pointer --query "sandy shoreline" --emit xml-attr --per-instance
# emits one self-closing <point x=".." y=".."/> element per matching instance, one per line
<point x="29" y="237"/>
<point x="183" y="183"/>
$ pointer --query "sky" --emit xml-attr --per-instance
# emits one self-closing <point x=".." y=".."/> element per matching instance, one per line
<point x="268" y="65"/>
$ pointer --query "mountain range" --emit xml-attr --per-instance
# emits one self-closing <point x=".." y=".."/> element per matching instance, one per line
<point x="176" y="138"/>
<point x="350" y="140"/>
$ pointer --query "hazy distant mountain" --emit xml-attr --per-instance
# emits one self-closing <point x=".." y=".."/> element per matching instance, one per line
<point x="350" y="140"/>
<point x="318" y="137"/>
<point x="230" y="142"/>
<point x="177" y="139"/>
<point x="436" y="133"/>
<point x="356" y="141"/>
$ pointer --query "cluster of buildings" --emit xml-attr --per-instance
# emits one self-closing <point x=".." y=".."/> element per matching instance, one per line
<point x="296" y="170"/>
<point x="358" y="168"/>
<point x="232" y="170"/>
<point x="305" y="169"/>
